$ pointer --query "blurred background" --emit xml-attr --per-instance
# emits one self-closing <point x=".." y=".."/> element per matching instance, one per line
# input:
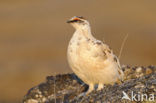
<point x="34" y="37"/>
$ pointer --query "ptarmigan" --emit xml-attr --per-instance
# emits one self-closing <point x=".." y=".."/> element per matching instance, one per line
<point x="90" y="59"/>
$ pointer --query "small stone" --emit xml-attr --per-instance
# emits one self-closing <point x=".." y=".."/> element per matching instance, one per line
<point x="36" y="95"/>
<point x="139" y="86"/>
<point x="98" y="102"/>
<point x="31" y="101"/>
<point x="139" y="70"/>
<point x="43" y="99"/>
<point x="148" y="71"/>
<point x="40" y="96"/>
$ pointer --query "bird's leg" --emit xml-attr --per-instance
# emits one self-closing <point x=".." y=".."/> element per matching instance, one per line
<point x="100" y="86"/>
<point x="90" y="89"/>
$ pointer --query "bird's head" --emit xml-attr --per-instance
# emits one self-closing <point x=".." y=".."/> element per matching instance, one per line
<point x="78" y="22"/>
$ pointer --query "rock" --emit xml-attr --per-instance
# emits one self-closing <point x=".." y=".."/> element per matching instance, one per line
<point x="139" y="85"/>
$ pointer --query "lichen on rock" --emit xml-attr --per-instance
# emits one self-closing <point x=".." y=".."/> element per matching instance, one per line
<point x="66" y="88"/>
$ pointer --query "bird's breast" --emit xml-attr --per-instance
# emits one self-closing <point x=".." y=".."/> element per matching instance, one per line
<point x="82" y="54"/>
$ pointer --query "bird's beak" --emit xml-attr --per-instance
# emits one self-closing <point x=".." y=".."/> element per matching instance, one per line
<point x="69" y="21"/>
<point x="73" y="20"/>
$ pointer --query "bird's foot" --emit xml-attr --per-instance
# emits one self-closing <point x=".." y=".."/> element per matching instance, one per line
<point x="100" y="87"/>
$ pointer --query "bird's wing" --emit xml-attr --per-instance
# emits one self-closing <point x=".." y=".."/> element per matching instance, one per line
<point x="105" y="52"/>
<point x="101" y="50"/>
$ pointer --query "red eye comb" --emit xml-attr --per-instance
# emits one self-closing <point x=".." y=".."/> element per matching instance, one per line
<point x="76" y="19"/>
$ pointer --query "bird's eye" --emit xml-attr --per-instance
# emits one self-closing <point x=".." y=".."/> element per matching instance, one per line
<point x="75" y="20"/>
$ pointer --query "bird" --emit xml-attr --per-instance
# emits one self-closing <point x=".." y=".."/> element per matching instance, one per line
<point x="90" y="59"/>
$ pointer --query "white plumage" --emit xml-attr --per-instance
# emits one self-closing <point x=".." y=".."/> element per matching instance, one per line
<point x="90" y="59"/>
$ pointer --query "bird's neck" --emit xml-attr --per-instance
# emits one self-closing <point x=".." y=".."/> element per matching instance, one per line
<point x="84" y="32"/>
